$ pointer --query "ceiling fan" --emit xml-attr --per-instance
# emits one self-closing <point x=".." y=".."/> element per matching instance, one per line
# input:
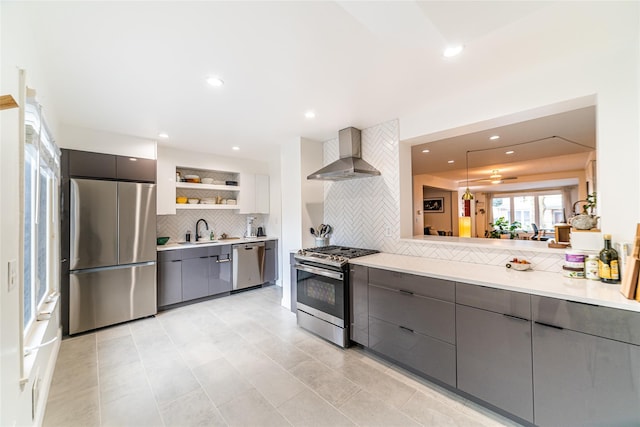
<point x="494" y="178"/>
<point x="497" y="180"/>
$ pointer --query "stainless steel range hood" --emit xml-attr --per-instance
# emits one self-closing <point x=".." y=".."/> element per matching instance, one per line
<point x="350" y="165"/>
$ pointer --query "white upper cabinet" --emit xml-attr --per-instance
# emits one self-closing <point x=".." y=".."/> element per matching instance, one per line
<point x="165" y="186"/>
<point x="254" y="194"/>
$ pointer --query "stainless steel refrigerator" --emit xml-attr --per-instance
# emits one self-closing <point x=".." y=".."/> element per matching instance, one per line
<point x="112" y="253"/>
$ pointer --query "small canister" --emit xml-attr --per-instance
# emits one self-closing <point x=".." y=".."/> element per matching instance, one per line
<point x="591" y="268"/>
<point x="573" y="273"/>
<point x="574" y="259"/>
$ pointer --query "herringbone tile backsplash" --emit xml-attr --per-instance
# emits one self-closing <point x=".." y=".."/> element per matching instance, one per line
<point x="220" y="221"/>
<point x="365" y="212"/>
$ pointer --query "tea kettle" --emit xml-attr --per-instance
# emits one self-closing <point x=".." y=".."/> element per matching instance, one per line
<point x="583" y="221"/>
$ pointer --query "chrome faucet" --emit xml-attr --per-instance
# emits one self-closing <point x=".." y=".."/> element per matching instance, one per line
<point x="197" y="224"/>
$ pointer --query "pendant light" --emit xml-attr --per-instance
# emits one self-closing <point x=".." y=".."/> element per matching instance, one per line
<point x="464" y="222"/>
<point x="467" y="196"/>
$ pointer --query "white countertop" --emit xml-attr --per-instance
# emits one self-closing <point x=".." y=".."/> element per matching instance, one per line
<point x="533" y="282"/>
<point x="506" y="244"/>
<point x="183" y="245"/>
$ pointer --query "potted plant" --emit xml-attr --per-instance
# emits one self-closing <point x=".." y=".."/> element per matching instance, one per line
<point x="515" y="225"/>
<point x="501" y="227"/>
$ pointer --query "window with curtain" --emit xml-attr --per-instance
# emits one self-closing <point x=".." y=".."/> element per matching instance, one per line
<point x="41" y="230"/>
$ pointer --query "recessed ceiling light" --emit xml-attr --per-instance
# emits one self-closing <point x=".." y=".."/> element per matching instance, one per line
<point x="425" y="151"/>
<point x="215" y="81"/>
<point x="450" y="161"/>
<point x="452" y="51"/>
<point x="310" y="115"/>
<point x="235" y="148"/>
<point x="496" y="181"/>
<point x="509" y="152"/>
<point x="163" y="135"/>
<point x="494" y="137"/>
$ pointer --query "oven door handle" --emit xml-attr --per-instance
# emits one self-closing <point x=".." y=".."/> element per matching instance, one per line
<point x="319" y="271"/>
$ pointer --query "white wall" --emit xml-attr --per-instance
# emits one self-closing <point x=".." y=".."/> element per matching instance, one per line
<point x="77" y="138"/>
<point x="419" y="182"/>
<point x="15" y="401"/>
<point x="607" y="68"/>
<point x="290" y="173"/>
<point x="312" y="190"/>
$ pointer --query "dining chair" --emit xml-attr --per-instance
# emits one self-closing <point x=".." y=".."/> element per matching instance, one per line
<point x="536" y="234"/>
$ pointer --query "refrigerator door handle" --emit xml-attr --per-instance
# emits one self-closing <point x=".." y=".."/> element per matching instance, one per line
<point x="112" y="267"/>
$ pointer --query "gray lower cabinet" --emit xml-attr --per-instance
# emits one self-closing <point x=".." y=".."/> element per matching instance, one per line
<point x="270" y="273"/>
<point x="169" y="278"/>
<point x="423" y="353"/>
<point x="494" y="359"/>
<point x="412" y="321"/>
<point x="359" y="295"/>
<point x="581" y="379"/>
<point x="548" y="361"/>
<point x="220" y="269"/>
<point x="195" y="273"/>
<point x="493" y="343"/>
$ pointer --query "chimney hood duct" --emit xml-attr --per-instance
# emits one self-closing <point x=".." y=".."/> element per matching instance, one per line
<point x="350" y="165"/>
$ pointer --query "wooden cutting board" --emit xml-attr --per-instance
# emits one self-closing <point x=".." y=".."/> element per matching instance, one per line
<point x="630" y="278"/>
<point x="629" y="287"/>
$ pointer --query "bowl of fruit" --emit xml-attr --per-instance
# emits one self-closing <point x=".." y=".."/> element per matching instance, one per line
<point x="519" y="264"/>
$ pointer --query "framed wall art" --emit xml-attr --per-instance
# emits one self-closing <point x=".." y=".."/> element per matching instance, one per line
<point x="433" y="205"/>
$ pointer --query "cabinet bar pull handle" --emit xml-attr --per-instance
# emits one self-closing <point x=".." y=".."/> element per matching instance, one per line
<point x="549" y="326"/>
<point x="510" y="316"/>
<point x="406" y="329"/>
<point x="584" y="303"/>
<point x="405" y="292"/>
<point x="223" y="260"/>
<point x="176" y="260"/>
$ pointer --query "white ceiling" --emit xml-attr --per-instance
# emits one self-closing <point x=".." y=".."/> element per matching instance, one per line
<point x="554" y="143"/>
<point x="139" y="68"/>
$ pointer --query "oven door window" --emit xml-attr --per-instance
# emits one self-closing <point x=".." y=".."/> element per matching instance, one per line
<point x="322" y="293"/>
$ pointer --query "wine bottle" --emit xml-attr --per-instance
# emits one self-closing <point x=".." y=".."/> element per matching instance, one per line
<point x="608" y="262"/>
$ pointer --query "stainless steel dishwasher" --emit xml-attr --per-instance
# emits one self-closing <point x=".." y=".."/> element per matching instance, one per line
<point x="248" y="265"/>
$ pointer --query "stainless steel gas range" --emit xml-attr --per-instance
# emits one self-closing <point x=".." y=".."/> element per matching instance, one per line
<point x="322" y="282"/>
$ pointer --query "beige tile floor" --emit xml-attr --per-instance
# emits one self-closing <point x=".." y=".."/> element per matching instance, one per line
<point x="239" y="361"/>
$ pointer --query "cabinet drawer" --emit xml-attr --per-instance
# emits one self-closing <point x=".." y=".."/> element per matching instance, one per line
<point x="174" y="255"/>
<point x="425" y="315"/>
<point x="195" y="253"/>
<point x="422" y="353"/>
<point x="419" y="285"/>
<point x="620" y="325"/>
<point x="496" y="300"/>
